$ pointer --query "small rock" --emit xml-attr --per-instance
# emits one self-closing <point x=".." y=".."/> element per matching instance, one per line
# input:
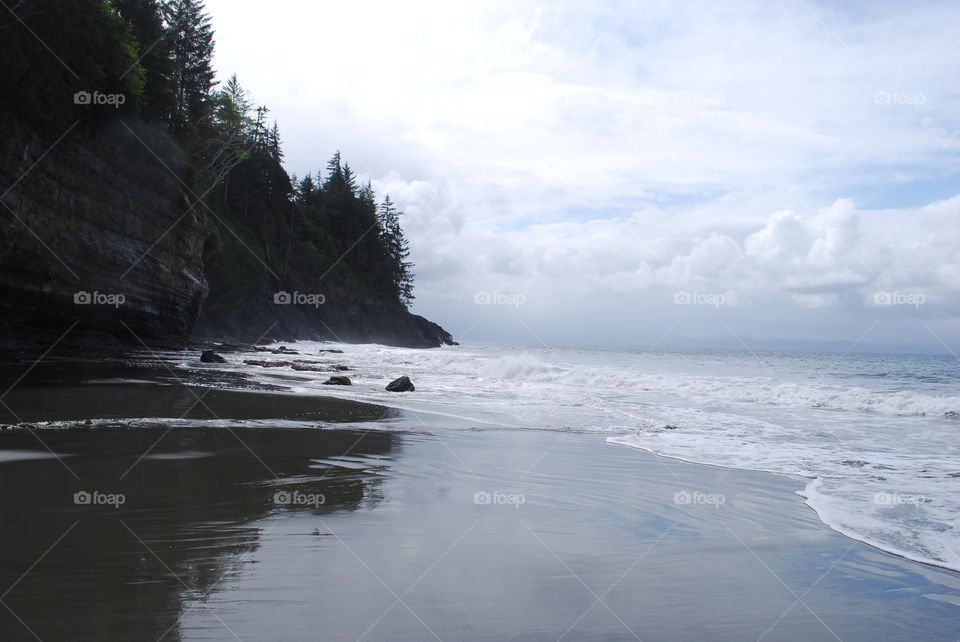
<point x="300" y="366"/>
<point x="267" y="364"/>
<point x="338" y="381"/>
<point x="331" y="351"/>
<point x="403" y="384"/>
<point x="340" y="368"/>
<point x="209" y="356"/>
<point x="284" y="350"/>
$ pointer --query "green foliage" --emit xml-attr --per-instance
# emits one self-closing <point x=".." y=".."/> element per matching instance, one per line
<point x="397" y="249"/>
<point x="191" y="51"/>
<point x="55" y="49"/>
<point x="323" y="233"/>
<point x="145" y="18"/>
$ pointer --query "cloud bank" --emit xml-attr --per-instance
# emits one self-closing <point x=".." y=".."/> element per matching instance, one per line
<point x="793" y="160"/>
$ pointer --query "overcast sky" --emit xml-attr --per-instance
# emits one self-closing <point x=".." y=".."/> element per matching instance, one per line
<point x="632" y="172"/>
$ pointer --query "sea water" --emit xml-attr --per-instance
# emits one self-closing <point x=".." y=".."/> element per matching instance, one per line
<point x="876" y="436"/>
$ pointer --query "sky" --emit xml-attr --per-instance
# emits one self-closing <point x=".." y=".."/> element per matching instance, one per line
<point x="783" y="173"/>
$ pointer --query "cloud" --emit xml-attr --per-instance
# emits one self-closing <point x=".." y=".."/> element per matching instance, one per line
<point x="836" y="257"/>
<point x="617" y="152"/>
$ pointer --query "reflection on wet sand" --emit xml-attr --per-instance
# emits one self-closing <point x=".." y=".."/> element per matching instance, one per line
<point x="269" y="523"/>
<point x="128" y="526"/>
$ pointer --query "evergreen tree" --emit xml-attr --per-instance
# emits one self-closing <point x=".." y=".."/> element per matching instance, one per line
<point x="349" y="181"/>
<point x="274" y="144"/>
<point x="94" y="50"/>
<point x="191" y="51"/>
<point x="397" y="249"/>
<point x="145" y="18"/>
<point x="335" y="179"/>
<point x="229" y="141"/>
<point x="305" y="189"/>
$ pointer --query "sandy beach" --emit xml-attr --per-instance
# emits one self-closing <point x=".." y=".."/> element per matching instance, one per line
<point x="271" y="530"/>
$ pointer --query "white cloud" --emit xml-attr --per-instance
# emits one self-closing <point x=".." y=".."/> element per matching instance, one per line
<point x="617" y="152"/>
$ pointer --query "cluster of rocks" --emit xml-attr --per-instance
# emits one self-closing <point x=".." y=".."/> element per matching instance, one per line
<point x="403" y="384"/>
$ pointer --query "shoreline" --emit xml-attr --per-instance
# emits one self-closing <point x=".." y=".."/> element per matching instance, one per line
<point x="225" y="396"/>
<point x="388" y="487"/>
<point x="808" y="481"/>
<point x="594" y="522"/>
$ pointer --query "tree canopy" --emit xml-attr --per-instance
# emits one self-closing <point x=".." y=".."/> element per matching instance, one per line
<point x="268" y="230"/>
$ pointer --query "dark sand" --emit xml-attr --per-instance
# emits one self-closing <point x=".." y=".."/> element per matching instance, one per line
<point x="399" y="548"/>
<point x="62" y="391"/>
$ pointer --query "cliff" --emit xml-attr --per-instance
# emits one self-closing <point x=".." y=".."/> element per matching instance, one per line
<point x="101" y="229"/>
<point x="96" y="230"/>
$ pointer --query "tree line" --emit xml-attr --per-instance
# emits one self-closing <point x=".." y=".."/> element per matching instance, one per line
<point x="268" y="229"/>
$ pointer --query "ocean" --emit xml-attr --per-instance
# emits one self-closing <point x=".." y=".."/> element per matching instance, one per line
<point x="874" y="436"/>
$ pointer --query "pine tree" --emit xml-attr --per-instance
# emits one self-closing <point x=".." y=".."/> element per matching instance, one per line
<point x="274" y="144"/>
<point x="191" y="51"/>
<point x="145" y="18"/>
<point x="305" y="188"/>
<point x="232" y="108"/>
<point x="334" y="174"/>
<point x="349" y="181"/>
<point x="229" y="143"/>
<point x="397" y="249"/>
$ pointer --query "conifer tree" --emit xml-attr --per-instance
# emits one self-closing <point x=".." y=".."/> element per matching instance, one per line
<point x="274" y="144"/>
<point x="191" y="51"/>
<point x="397" y="249"/>
<point x="334" y="174"/>
<point x="145" y="19"/>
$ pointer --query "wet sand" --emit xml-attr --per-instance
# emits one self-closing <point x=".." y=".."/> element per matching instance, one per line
<point x="270" y="532"/>
<point x="63" y="391"/>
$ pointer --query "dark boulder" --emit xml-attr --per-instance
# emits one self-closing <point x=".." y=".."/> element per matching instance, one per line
<point x="331" y="351"/>
<point x="209" y="356"/>
<point x="403" y="384"/>
<point x="338" y="381"/>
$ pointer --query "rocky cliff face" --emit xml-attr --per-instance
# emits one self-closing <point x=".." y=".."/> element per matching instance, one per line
<point x="349" y="322"/>
<point x="98" y="229"/>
